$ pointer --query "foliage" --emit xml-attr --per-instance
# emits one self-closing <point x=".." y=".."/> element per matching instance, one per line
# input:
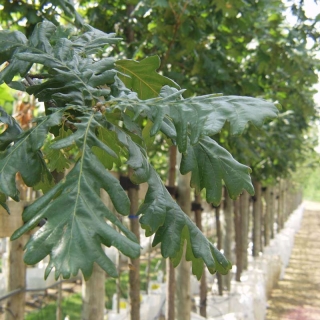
<point x="6" y="98"/>
<point x="311" y="184"/>
<point x="25" y="15"/>
<point x="90" y="106"/>
<point x="235" y="47"/>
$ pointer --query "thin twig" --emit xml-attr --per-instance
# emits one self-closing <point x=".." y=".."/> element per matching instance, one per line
<point x="38" y="76"/>
<point x="29" y="80"/>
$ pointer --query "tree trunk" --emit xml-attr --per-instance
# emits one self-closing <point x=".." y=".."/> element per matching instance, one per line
<point x="280" y="207"/>
<point x="272" y="211"/>
<point x="118" y="284"/>
<point x="59" y="302"/>
<point x="171" y="281"/>
<point x="256" y="220"/>
<point x="129" y="32"/>
<point x="285" y="202"/>
<point x="267" y="217"/>
<point x="238" y="233"/>
<point x="134" y="271"/>
<point x="16" y="278"/>
<point x="92" y="291"/>
<point x="148" y="265"/>
<point x="183" y="296"/>
<point x="203" y="282"/>
<point x="229" y="235"/>
<point x="133" y="193"/>
<point x="244" y="222"/>
<point x="219" y="246"/>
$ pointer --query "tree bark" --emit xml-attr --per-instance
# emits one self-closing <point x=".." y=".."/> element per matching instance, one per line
<point x="229" y="235"/>
<point x="272" y="211"/>
<point x="171" y="281"/>
<point x="133" y="193"/>
<point x="59" y="302"/>
<point x="14" y="308"/>
<point x="183" y="296"/>
<point x="285" y="202"/>
<point x="134" y="271"/>
<point x="219" y="246"/>
<point x="238" y="233"/>
<point x="256" y="220"/>
<point x="280" y="207"/>
<point x="244" y="222"/>
<point x="203" y="282"/>
<point x="92" y="291"/>
<point x="267" y="217"/>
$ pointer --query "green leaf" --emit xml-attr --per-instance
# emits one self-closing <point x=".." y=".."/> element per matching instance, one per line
<point x="141" y="76"/>
<point x="161" y="215"/>
<point x="73" y="75"/>
<point x="9" y="42"/>
<point x="12" y="131"/>
<point x="14" y="43"/>
<point x="199" y="116"/>
<point x="146" y="134"/>
<point x="109" y="138"/>
<point x="24" y="156"/>
<point x="57" y="159"/>
<point x="5" y="94"/>
<point x="106" y="119"/>
<point x="45" y="184"/>
<point x="137" y="158"/>
<point x="3" y="200"/>
<point x="76" y="216"/>
<point x="68" y="8"/>
<point x="211" y="165"/>
<point x="93" y="40"/>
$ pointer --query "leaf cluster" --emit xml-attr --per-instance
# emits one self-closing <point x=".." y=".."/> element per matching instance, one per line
<point x="91" y="111"/>
<point x="236" y="47"/>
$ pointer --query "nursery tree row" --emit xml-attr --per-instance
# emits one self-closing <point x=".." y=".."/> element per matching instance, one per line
<point x="105" y="112"/>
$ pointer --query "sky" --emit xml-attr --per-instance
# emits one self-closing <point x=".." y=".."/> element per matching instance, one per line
<point x="312" y="8"/>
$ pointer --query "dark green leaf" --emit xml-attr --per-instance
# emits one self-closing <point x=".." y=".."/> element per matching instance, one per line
<point x="75" y="213"/>
<point x="211" y="165"/>
<point x="3" y="200"/>
<point x="204" y="115"/>
<point x="12" y="131"/>
<point x="162" y="216"/>
<point x="74" y="77"/>
<point x="9" y="41"/>
<point x="24" y="156"/>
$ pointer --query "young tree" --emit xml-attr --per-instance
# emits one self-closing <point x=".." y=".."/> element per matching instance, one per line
<point x="96" y="108"/>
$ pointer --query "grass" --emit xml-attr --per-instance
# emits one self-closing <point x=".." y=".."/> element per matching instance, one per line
<point x="72" y="305"/>
<point x="311" y="185"/>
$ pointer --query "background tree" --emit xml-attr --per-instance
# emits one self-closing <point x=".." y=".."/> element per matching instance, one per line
<point x="85" y="115"/>
<point x="234" y="48"/>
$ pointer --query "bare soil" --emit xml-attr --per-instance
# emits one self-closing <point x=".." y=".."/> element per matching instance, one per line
<point x="297" y="295"/>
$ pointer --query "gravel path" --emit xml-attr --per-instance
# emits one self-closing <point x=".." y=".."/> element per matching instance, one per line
<point x="297" y="295"/>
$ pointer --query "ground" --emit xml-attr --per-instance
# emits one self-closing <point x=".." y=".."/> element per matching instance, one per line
<point x="297" y="295"/>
